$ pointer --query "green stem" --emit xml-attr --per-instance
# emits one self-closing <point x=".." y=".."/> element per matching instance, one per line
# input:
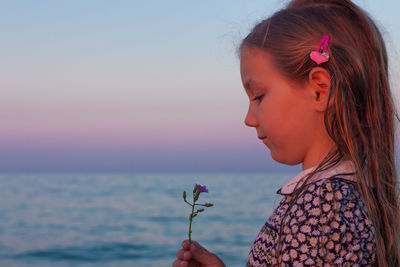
<point x="188" y="202"/>
<point x="191" y="218"/>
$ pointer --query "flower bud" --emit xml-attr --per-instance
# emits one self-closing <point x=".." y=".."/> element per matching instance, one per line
<point x="197" y="194"/>
<point x="208" y="204"/>
<point x="200" y="210"/>
<point x="184" y="195"/>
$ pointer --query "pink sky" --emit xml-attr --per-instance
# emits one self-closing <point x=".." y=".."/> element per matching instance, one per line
<point x="134" y="87"/>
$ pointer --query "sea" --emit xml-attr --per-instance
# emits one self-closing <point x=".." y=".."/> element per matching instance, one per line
<point x="129" y="219"/>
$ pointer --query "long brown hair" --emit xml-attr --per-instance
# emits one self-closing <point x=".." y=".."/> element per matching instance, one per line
<point x="360" y="119"/>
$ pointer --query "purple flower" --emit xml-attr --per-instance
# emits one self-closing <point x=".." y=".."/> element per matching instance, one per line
<point x="197" y="190"/>
<point x="201" y="188"/>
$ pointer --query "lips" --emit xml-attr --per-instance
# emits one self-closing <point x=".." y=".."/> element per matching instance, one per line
<point x="261" y="137"/>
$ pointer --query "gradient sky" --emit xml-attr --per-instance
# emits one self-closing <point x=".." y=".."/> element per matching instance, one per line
<point x="135" y="85"/>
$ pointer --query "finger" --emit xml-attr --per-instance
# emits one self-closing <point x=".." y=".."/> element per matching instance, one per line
<point x="196" y="246"/>
<point x="179" y="263"/>
<point x="185" y="244"/>
<point x="184" y="255"/>
<point x="187" y="255"/>
<point x="176" y="263"/>
<point x="179" y="254"/>
<point x="200" y="254"/>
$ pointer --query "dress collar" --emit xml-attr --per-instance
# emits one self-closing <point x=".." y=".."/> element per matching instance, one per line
<point x="346" y="168"/>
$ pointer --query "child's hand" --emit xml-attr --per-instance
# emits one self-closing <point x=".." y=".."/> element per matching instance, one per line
<point x="196" y="256"/>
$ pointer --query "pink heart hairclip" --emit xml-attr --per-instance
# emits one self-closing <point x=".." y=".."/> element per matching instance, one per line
<point x="319" y="57"/>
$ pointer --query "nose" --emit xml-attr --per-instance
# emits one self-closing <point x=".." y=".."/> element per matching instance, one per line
<point x="250" y="119"/>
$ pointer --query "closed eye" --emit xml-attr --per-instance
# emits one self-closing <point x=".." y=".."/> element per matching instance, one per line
<point x="257" y="98"/>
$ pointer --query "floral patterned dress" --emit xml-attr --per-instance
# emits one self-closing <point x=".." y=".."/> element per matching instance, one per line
<point x="326" y="226"/>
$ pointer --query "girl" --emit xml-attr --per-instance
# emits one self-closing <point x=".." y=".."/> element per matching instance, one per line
<point x="316" y="74"/>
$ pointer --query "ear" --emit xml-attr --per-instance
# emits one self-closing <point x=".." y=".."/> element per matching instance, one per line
<point x="319" y="82"/>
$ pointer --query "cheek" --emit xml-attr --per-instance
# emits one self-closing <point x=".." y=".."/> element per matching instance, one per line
<point x="299" y="125"/>
<point x="283" y="121"/>
<point x="273" y="117"/>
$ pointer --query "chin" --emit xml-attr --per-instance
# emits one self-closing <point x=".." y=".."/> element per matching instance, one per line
<point x="285" y="160"/>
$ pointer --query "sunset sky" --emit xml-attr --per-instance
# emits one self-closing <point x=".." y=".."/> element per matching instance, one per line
<point x="136" y="86"/>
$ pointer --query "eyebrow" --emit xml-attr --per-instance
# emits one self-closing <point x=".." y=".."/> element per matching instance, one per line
<point x="249" y="84"/>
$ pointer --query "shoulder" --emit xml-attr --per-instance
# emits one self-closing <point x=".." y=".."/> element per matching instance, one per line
<point x="331" y="190"/>
<point x="332" y="199"/>
<point x="328" y="222"/>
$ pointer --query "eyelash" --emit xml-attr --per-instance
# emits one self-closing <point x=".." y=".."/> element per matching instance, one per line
<point x="257" y="98"/>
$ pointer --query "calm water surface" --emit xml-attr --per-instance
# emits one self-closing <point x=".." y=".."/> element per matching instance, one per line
<point x="129" y="219"/>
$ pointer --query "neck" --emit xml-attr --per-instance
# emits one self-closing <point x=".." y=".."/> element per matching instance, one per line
<point x="317" y="155"/>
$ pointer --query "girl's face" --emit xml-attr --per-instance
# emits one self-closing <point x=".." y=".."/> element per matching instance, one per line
<point x="281" y="112"/>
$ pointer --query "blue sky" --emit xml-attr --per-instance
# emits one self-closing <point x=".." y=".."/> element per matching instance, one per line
<point x="135" y="85"/>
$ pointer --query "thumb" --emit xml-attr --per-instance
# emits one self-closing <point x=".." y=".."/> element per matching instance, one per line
<point x="201" y="254"/>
